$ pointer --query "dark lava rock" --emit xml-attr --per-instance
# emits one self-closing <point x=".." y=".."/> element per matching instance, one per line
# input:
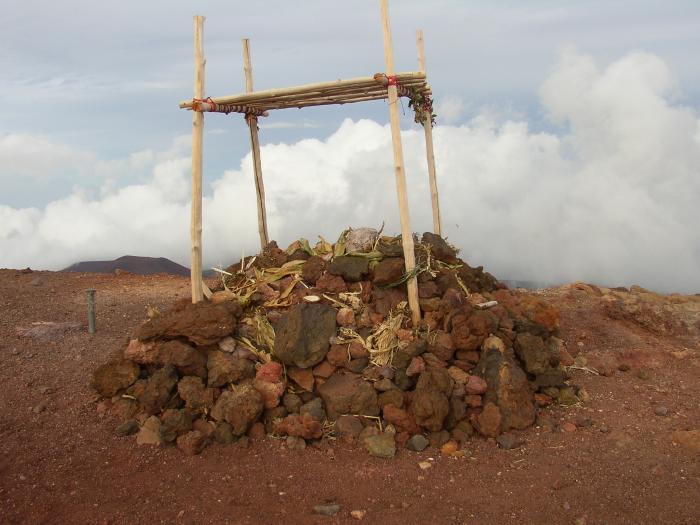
<point x="158" y="388"/>
<point x="188" y="360"/>
<point x="304" y="426"/>
<point x="533" y="353"/>
<point x="508" y="441"/>
<point x="430" y="404"/>
<point x="439" y="248"/>
<point x="302" y="336"/>
<point x="196" y="396"/>
<point x="313" y="269"/>
<point x="203" y="323"/>
<point x="348" y="394"/>
<point x="223" y="433"/>
<point x="328" y="509"/>
<point x="110" y="378"/>
<point x="175" y="423"/>
<point x="127" y="428"/>
<point x="192" y="443"/>
<point x="389" y="271"/>
<point x="351" y="269"/>
<point x="315" y="409"/>
<point x="417" y="443"/>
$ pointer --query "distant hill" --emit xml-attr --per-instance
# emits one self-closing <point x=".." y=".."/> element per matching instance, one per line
<point x="133" y="264"/>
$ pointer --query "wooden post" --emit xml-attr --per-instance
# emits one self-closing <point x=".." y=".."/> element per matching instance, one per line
<point x="428" y="128"/>
<point x="255" y="147"/>
<point x="197" y="132"/>
<point x="406" y="233"/>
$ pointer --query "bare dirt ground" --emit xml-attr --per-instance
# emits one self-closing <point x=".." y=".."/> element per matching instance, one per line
<point x="60" y="461"/>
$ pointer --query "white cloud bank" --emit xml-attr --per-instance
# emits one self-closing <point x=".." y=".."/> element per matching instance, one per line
<point x="612" y="199"/>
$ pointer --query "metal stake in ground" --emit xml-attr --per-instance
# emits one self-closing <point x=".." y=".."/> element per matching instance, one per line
<point x="91" y="310"/>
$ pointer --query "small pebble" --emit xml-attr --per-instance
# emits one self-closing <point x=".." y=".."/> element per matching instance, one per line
<point x="40" y="407"/>
<point x="604" y="429"/>
<point x="425" y="465"/>
<point x="624" y="367"/>
<point x="358" y="514"/>
<point x="643" y="374"/>
<point x="661" y="411"/>
<point x="568" y="427"/>
<point x="329" y="509"/>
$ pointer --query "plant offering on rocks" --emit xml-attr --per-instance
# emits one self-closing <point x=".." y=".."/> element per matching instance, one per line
<point x="309" y="343"/>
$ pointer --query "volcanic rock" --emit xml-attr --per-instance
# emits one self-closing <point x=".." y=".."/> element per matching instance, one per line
<point x="351" y="269"/>
<point x="150" y="433"/>
<point x="388" y="271"/>
<point x="302" y="335"/>
<point x="175" y="423"/>
<point x="348" y="394"/>
<point x="348" y="427"/>
<point x="417" y="443"/>
<point x="196" y="396"/>
<point x="430" y="404"/>
<point x="402" y="420"/>
<point x="112" y="377"/>
<point x="531" y="350"/>
<point x="224" y="368"/>
<point x="304" y="426"/>
<point x="202" y="323"/>
<point x="315" y="409"/>
<point x="439" y="248"/>
<point x="240" y="406"/>
<point x="158" y="388"/>
<point x="313" y="269"/>
<point x="192" y="443"/>
<point x="381" y="446"/>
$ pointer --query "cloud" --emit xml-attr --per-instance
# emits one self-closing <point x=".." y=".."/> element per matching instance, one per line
<point x="23" y="155"/>
<point x="450" y="109"/>
<point x="611" y="198"/>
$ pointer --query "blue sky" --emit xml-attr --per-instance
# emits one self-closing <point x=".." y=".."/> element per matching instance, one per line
<point x="91" y="89"/>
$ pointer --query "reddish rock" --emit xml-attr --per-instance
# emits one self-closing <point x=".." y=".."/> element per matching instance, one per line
<point x="271" y="372"/>
<point x="345" y="317"/>
<point x="257" y="431"/>
<point x="357" y="351"/>
<point x="543" y="400"/>
<point x="202" y="323"/>
<point x="348" y="428"/>
<point x="150" y="433"/>
<point x="401" y="419"/>
<point x="143" y="352"/>
<point x="303" y="377"/>
<point x="204" y="427"/>
<point x="175" y="423"/>
<point x="304" y="426"/>
<point x="568" y="427"/>
<point x="192" y="443"/>
<point x="329" y="283"/>
<point x="388" y="271"/>
<point x="430" y="404"/>
<point x="428" y="289"/>
<point x="459" y="375"/>
<point x="441" y="345"/>
<point x="338" y="355"/>
<point x="416" y="367"/>
<point x="324" y="369"/>
<point x="110" y="378"/>
<point x="158" y="388"/>
<point x="475" y="385"/>
<point x="540" y="312"/>
<point x="473" y="401"/>
<point x="393" y="397"/>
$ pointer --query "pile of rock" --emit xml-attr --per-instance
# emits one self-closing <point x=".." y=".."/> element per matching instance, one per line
<point x="310" y="343"/>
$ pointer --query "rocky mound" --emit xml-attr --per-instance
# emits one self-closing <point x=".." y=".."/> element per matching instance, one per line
<point x="309" y="343"/>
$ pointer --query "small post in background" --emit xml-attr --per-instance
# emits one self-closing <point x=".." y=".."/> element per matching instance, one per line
<point x="91" y="310"/>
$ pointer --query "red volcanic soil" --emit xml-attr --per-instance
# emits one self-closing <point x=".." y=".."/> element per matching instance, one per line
<point x="616" y="459"/>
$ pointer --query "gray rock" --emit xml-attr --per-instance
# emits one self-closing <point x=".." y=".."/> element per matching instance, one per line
<point x="127" y="428"/>
<point x="295" y="443"/>
<point x="328" y="509"/>
<point x="508" y="441"/>
<point x="381" y="446"/>
<point x="315" y="409"/>
<point x="417" y="443"/>
<point x="292" y="402"/>
<point x="351" y="269"/>
<point x="661" y="411"/>
<point x="302" y="336"/>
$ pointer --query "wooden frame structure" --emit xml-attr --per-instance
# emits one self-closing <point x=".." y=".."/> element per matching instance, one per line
<point x="254" y="104"/>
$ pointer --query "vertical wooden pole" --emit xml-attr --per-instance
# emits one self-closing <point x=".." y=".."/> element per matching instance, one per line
<point x="428" y="128"/>
<point x="406" y="233"/>
<point x="197" y="132"/>
<point x="255" y="147"/>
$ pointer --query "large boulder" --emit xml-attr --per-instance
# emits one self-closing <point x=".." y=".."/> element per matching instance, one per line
<point x="223" y="368"/>
<point x="348" y="394"/>
<point x="202" y="323"/>
<point x="112" y="377"/>
<point x="508" y="387"/>
<point x="351" y="269"/>
<point x="302" y="335"/>
<point x="240" y="406"/>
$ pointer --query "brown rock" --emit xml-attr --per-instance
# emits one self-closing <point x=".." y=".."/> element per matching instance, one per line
<point x="393" y="397"/>
<point x="202" y="323"/>
<point x="459" y="375"/>
<point x="324" y="370"/>
<point x="224" y="368"/>
<point x="150" y="433"/>
<point x="416" y="367"/>
<point x="388" y="271"/>
<point x="331" y="284"/>
<point x="204" y="427"/>
<point x="192" y="443"/>
<point x="187" y="359"/>
<point x="351" y="269"/>
<point x="348" y="394"/>
<point x="174" y="423"/>
<point x="489" y="422"/>
<point x="110" y="378"/>
<point x="533" y="353"/>
<point x="158" y="388"/>
<point x="441" y="345"/>
<point x="338" y="355"/>
<point x="270" y="392"/>
<point x="271" y="372"/>
<point x="313" y="269"/>
<point x="303" y="377"/>
<point x="302" y="335"/>
<point x="257" y="431"/>
<point x="439" y="248"/>
<point x="196" y="396"/>
<point x="430" y="404"/>
<point x="240" y="406"/>
<point x="348" y="428"/>
<point x="401" y="419"/>
<point x="345" y="317"/>
<point x="304" y="426"/>
<point x="475" y="385"/>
